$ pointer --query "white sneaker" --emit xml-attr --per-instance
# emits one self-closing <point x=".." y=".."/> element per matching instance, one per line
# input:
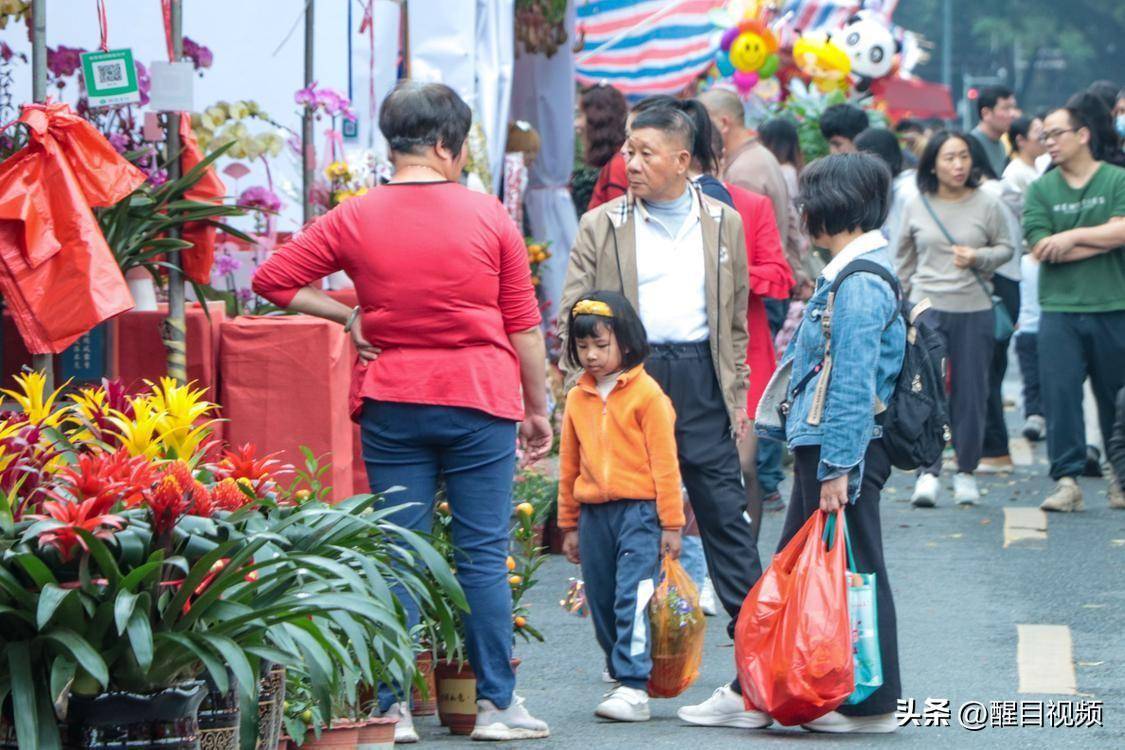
<point x="1035" y="428"/>
<point x="607" y="677"/>
<point x="511" y="723"/>
<point x="404" y="729"/>
<point x="624" y="704"/>
<point x="965" y="490"/>
<point x="1067" y="497"/>
<point x="926" y="491"/>
<point x="725" y="708"/>
<point x="707" y="601"/>
<point x="835" y="722"/>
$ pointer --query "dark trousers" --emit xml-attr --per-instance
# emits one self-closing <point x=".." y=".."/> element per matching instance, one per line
<point x="968" y="341"/>
<point x="996" y="429"/>
<point x="1072" y="347"/>
<point x="865" y="530"/>
<point x="711" y="470"/>
<point x="1027" y="349"/>
<point x="412" y="446"/>
<point x="619" y="543"/>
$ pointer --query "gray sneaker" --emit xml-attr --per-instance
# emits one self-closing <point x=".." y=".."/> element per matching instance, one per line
<point x="511" y="723"/>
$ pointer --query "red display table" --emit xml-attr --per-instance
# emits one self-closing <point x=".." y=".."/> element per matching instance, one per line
<point x="138" y="354"/>
<point x="285" y="385"/>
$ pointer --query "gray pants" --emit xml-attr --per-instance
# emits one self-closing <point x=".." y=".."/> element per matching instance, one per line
<point x="619" y="543"/>
<point x="968" y="340"/>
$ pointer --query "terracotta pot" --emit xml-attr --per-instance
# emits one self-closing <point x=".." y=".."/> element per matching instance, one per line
<point x="165" y="720"/>
<point x="271" y="708"/>
<point x="457" y="695"/>
<point x="422" y="706"/>
<point x="342" y="736"/>
<point x="283" y="743"/>
<point x="377" y="734"/>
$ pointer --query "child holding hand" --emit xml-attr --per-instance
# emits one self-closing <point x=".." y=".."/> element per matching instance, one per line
<point x="620" y="503"/>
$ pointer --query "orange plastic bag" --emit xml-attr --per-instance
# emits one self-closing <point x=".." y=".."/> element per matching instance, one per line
<point x="678" y="626"/>
<point x="792" y="642"/>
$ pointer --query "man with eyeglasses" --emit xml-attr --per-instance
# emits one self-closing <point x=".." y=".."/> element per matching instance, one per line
<point x="1074" y="223"/>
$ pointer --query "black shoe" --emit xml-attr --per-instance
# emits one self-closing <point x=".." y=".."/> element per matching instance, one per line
<point x="1093" y="462"/>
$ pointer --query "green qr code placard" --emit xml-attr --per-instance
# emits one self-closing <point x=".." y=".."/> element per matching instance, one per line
<point x="110" y="78"/>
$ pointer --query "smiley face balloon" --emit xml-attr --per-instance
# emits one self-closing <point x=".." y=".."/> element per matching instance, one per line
<point x="751" y="48"/>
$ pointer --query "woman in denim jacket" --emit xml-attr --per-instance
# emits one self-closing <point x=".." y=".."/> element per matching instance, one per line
<point x="831" y="428"/>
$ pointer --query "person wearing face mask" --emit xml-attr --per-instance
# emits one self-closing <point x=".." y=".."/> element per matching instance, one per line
<point x="953" y="237"/>
<point x="996" y="107"/>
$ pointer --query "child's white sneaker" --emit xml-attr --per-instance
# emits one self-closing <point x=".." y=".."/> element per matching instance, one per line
<point x="405" y="734"/>
<point x="707" y="601"/>
<point x="607" y="677"/>
<point x="624" y="704"/>
<point x="725" y="708"/>
<point x="835" y="722"/>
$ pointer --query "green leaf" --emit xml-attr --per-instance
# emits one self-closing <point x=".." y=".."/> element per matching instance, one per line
<point x="79" y="648"/>
<point x="37" y="569"/>
<point x="140" y="638"/>
<point x="49" y="600"/>
<point x="101" y="554"/>
<point x="123" y="609"/>
<point x="140" y="575"/>
<point x="63" y="670"/>
<point x="24" y="710"/>
<point x="214" y="667"/>
<point x="236" y="660"/>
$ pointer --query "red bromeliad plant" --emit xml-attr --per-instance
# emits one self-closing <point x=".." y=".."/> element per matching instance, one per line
<point x="258" y="474"/>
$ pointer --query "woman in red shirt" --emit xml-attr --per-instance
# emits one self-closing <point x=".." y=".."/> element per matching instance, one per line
<point x="447" y="330"/>
<point x="604" y="110"/>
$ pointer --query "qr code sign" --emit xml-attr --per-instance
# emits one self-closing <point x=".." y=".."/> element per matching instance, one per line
<point x="110" y="73"/>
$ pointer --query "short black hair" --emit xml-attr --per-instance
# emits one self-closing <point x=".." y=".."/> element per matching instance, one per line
<point x="982" y="165"/>
<point x="1105" y="90"/>
<point x="415" y="116"/>
<point x="844" y="120"/>
<point x="845" y="192"/>
<point x="670" y="120"/>
<point x="780" y="136"/>
<point x="989" y="95"/>
<point x="626" y="325"/>
<point x="1088" y="111"/>
<point x="927" y="164"/>
<point x="656" y="100"/>
<point x="702" y="148"/>
<point x="882" y="143"/>
<point x="909" y="125"/>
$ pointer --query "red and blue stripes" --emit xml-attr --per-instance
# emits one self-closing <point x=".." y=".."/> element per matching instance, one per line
<point x="661" y="57"/>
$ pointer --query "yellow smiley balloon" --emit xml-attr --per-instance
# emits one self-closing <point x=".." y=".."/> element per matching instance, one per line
<point x="748" y="52"/>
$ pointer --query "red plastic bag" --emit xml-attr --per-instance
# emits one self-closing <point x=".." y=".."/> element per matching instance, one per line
<point x="792" y="642"/>
<point x="678" y="630"/>
<point x="197" y="260"/>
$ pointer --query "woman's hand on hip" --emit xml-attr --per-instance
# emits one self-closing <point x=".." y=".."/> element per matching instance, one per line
<point x="834" y="494"/>
<point x="367" y="352"/>
<point x="536" y="437"/>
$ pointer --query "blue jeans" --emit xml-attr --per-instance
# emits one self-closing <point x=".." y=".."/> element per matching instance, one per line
<point x="770" y="472"/>
<point x="691" y="557"/>
<point x="411" y="446"/>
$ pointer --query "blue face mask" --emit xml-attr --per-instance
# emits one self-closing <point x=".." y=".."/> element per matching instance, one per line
<point x="1121" y="125"/>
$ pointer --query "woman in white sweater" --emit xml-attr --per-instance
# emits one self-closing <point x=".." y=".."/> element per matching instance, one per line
<point x="954" y="236"/>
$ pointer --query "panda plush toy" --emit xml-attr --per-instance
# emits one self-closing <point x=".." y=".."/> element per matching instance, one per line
<point x="870" y="47"/>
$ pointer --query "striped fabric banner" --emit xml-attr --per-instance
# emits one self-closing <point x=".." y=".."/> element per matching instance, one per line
<point x="818" y="15"/>
<point x="658" y="46"/>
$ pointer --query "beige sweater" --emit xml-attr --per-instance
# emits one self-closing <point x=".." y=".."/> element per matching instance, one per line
<point x="924" y="256"/>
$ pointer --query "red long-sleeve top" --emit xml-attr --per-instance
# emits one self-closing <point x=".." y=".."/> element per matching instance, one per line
<point x="770" y="276"/>
<point x="612" y="182"/>
<point x="442" y="277"/>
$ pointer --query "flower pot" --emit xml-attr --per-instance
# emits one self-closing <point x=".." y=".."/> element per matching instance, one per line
<point x="341" y="736"/>
<point x="271" y="708"/>
<point x="219" y="720"/>
<point x="377" y="734"/>
<point x="143" y="289"/>
<point x="164" y="720"/>
<point x="457" y="695"/>
<point x="420" y="705"/>
<point x="283" y="742"/>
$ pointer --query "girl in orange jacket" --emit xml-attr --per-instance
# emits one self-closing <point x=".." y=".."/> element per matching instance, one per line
<point x="620" y="502"/>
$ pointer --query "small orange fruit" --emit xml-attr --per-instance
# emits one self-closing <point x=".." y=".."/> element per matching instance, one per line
<point x="443" y="507"/>
<point x="525" y="509"/>
<point x="520" y="621"/>
<point x="511" y="563"/>
<point x="515" y="580"/>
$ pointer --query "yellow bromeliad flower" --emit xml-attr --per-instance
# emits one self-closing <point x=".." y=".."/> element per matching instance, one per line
<point x="88" y="407"/>
<point x="33" y="400"/>
<point x="181" y="408"/>
<point x="8" y="430"/>
<point x="141" y="435"/>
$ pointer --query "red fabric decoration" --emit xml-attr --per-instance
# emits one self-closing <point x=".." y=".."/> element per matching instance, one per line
<point x="197" y="261"/>
<point x="57" y="273"/>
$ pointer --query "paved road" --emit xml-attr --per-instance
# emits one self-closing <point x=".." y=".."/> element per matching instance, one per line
<point x="962" y="597"/>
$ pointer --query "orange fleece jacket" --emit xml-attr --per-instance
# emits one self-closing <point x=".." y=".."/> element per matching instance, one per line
<point x="623" y="448"/>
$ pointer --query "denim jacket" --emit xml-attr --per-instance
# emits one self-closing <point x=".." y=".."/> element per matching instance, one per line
<point x="868" y="342"/>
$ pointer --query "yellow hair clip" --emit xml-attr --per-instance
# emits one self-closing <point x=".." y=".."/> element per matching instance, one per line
<point x="593" y="307"/>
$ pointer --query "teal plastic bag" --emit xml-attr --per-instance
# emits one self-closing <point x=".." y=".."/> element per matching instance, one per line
<point x="864" y="615"/>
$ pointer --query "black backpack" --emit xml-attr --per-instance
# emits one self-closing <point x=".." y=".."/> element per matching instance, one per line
<point x="916" y="421"/>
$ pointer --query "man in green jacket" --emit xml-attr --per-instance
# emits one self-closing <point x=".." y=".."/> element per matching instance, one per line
<point x="1074" y="223"/>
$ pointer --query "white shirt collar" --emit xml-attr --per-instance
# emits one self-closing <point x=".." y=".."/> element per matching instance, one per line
<point x="861" y="245"/>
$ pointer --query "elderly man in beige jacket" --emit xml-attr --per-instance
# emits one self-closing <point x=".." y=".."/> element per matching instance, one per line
<point x="680" y="259"/>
